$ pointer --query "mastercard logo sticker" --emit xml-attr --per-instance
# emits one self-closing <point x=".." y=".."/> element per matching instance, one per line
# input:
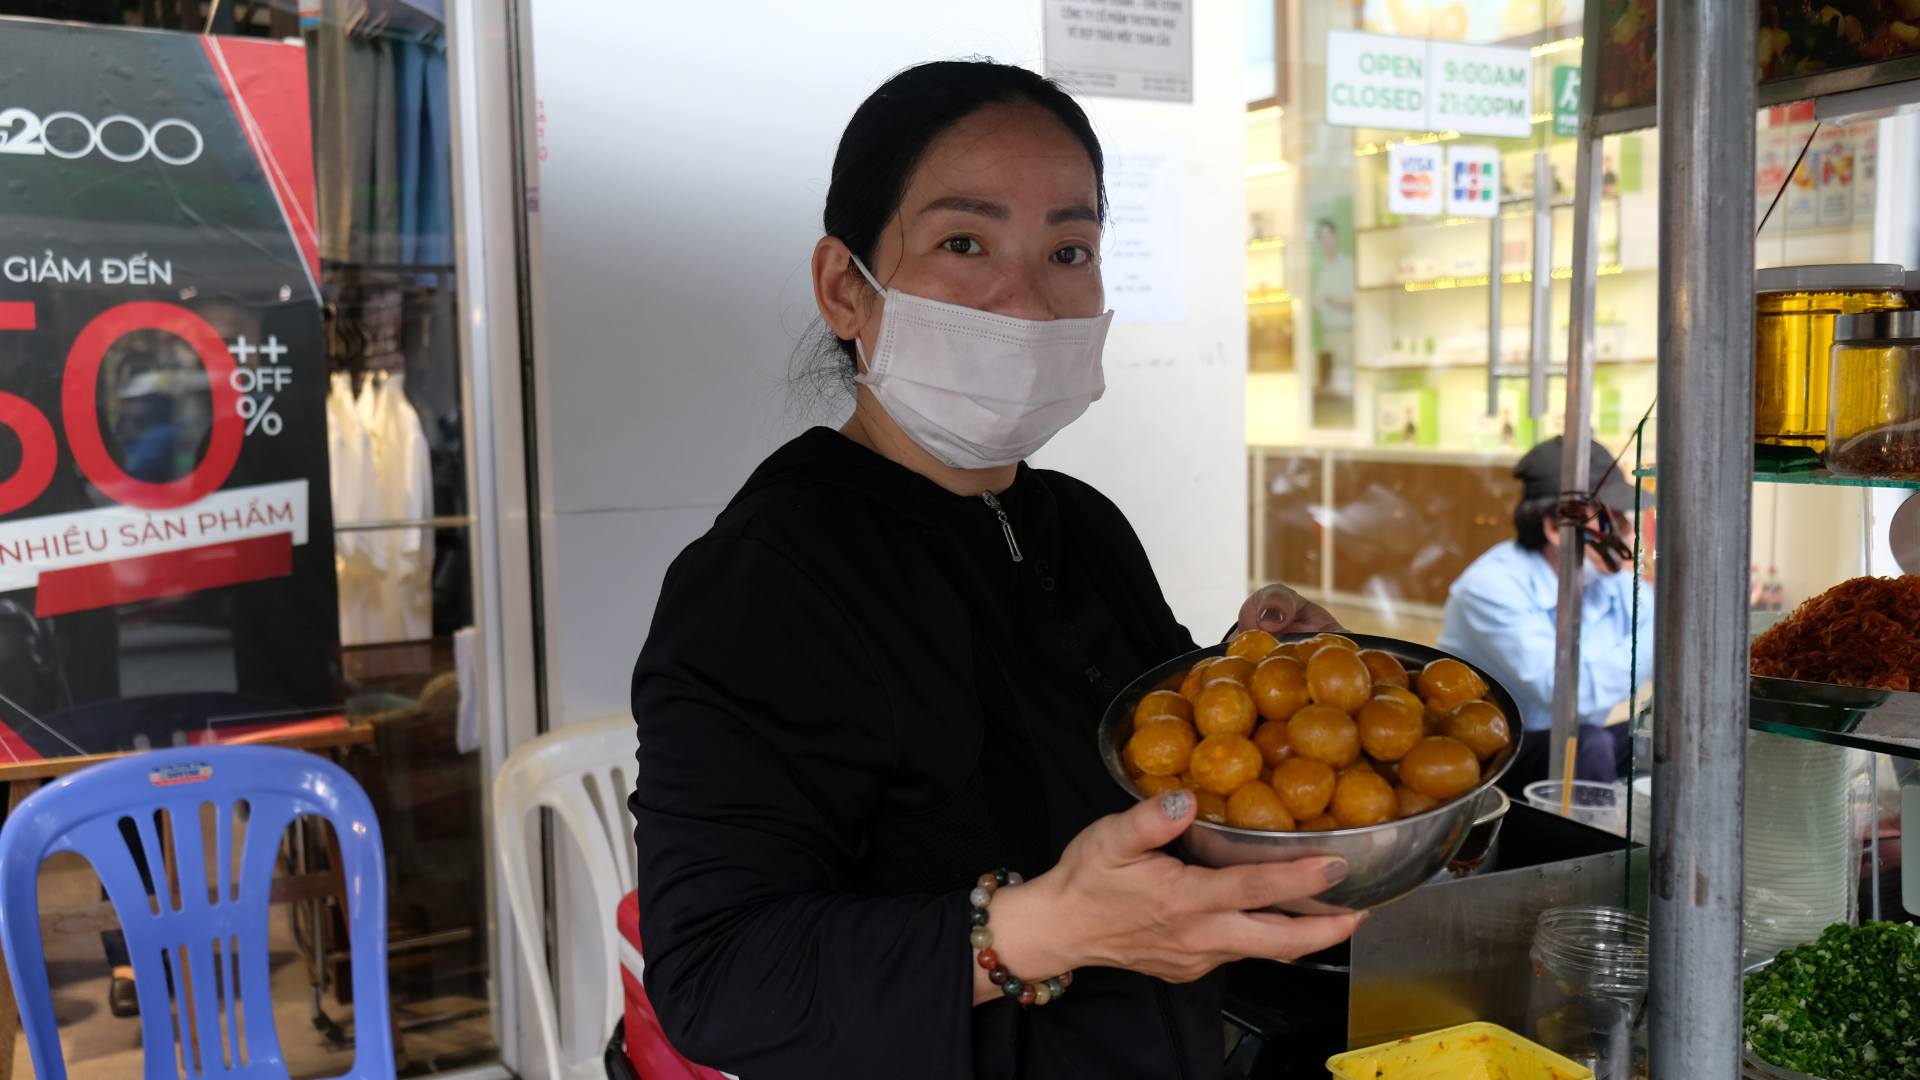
<point x="1415" y="185"/>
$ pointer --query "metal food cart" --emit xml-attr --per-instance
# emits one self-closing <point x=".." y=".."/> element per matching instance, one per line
<point x="1705" y="108"/>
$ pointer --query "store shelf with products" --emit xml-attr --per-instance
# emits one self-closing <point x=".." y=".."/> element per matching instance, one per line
<point x="1826" y="214"/>
<point x="1815" y="476"/>
<point x="1560" y="273"/>
<point x="1438" y="378"/>
<point x="1391" y="350"/>
<point x="1421" y="305"/>
<point x="1863" y="90"/>
<point x="1442" y="328"/>
<point x="1415" y="255"/>
<point x="1865" y="718"/>
<point x="1897" y="746"/>
<point x="1420" y="295"/>
<point x="1464" y="353"/>
<point x="1390" y="255"/>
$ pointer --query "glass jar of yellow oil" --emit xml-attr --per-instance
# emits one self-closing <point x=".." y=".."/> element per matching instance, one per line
<point x="1794" y="311"/>
<point x="1873" y="424"/>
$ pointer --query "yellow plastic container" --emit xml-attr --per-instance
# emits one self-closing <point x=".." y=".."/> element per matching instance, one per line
<point x="1792" y="337"/>
<point x="1476" y="1051"/>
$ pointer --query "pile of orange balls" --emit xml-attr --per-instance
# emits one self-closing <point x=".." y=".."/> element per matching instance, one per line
<point x="1314" y="735"/>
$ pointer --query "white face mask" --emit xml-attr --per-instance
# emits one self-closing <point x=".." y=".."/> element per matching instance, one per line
<point x="979" y="390"/>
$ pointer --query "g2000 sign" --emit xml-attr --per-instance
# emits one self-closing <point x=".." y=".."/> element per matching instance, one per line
<point x="25" y="132"/>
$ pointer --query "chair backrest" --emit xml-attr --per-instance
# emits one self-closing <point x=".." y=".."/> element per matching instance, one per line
<point x="196" y="919"/>
<point x="647" y="1049"/>
<point x="583" y="772"/>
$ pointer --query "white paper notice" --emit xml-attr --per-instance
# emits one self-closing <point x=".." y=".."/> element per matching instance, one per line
<point x="1145" y="261"/>
<point x="1122" y="48"/>
<point x="1413" y="179"/>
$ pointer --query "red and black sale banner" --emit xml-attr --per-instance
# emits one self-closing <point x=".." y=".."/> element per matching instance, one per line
<point x="162" y="379"/>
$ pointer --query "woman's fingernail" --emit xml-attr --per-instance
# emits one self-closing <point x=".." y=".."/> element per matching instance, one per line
<point x="1336" y="872"/>
<point x="1362" y="920"/>
<point x="1175" y="804"/>
<point x="1270" y="615"/>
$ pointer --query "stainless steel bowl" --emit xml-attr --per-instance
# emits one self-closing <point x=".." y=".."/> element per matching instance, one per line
<point x="1384" y="862"/>
<point x="1478" y="847"/>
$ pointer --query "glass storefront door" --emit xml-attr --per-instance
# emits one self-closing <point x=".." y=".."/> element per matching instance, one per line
<point x="1377" y="243"/>
<point x="1376" y="394"/>
<point x="240" y="507"/>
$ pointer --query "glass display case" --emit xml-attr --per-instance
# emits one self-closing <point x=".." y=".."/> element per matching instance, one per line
<point x="1370" y="341"/>
<point x="1373" y="368"/>
<point x="1442" y="332"/>
<point x="310" y="311"/>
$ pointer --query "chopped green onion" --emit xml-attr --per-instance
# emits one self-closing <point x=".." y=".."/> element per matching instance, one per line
<point x="1828" y="1017"/>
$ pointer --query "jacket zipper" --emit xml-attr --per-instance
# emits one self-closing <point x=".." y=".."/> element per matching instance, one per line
<point x="1013" y="547"/>
<point x="1168" y="1017"/>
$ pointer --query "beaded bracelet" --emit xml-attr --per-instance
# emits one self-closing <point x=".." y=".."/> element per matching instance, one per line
<point x="1038" y="992"/>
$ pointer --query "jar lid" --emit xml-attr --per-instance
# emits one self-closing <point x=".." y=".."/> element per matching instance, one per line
<point x="1831" y="277"/>
<point x="1877" y="326"/>
<point x="1913" y="281"/>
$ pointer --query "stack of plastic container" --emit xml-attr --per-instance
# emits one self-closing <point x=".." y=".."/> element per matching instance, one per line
<point x="1799" y="845"/>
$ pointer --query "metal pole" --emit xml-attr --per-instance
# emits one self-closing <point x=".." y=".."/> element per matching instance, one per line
<point x="1542" y="284"/>
<point x="1327" y="506"/>
<point x="1706" y="116"/>
<point x="1494" y="256"/>
<point x="1574" y="458"/>
<point x="1257" y="509"/>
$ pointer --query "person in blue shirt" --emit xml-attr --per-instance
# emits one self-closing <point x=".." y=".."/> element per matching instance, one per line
<point x="1500" y="617"/>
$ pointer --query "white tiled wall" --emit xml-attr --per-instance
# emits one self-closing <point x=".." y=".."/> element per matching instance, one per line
<point x="688" y="148"/>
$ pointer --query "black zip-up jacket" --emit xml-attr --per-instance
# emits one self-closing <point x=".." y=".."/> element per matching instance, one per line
<point x="852" y="702"/>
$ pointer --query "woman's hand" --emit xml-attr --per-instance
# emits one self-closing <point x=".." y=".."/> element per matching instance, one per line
<point x="1279" y="610"/>
<point x="1116" y="900"/>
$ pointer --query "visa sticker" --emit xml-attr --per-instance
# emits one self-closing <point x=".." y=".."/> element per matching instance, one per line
<point x="189" y="772"/>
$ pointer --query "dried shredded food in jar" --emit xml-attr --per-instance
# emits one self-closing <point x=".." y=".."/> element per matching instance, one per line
<point x="1863" y="632"/>
<point x="1879" y="453"/>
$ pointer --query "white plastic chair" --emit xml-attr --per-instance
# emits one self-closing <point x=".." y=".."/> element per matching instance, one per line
<point x="583" y="772"/>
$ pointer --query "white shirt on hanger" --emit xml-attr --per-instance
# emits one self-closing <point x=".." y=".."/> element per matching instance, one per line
<point x="406" y="494"/>
<point x="381" y="471"/>
<point x="354" y="487"/>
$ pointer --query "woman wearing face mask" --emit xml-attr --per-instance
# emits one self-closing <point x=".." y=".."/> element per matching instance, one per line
<point x="878" y="677"/>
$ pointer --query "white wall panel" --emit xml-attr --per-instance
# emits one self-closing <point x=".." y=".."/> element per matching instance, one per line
<point x="1168" y="441"/>
<point x="686" y="154"/>
<point x="611" y="566"/>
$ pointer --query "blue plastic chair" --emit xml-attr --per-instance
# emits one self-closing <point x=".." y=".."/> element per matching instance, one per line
<point x="189" y="959"/>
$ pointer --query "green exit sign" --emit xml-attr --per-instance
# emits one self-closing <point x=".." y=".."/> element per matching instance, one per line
<point x="1566" y="101"/>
